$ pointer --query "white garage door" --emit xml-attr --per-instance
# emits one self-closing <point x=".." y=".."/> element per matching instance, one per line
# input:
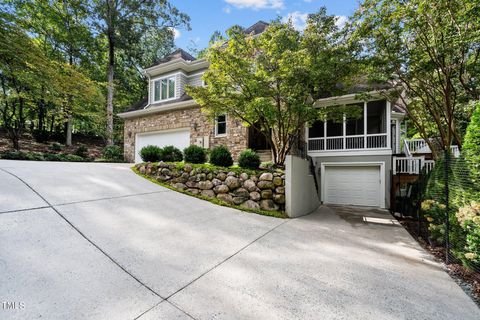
<point x="353" y="185"/>
<point x="179" y="138"/>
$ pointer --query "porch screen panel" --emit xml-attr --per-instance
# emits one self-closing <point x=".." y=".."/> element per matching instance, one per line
<point x="376" y="117"/>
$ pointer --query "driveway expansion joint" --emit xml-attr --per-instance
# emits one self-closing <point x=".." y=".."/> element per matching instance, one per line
<point x="228" y="258"/>
<point x="50" y="206"/>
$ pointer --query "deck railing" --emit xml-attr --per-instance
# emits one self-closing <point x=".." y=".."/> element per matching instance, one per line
<point x="413" y="146"/>
<point x="355" y="142"/>
<point x="417" y="146"/>
<point x="411" y="165"/>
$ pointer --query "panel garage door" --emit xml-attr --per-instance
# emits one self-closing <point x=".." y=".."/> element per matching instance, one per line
<point x="352" y="185"/>
<point x="179" y="138"/>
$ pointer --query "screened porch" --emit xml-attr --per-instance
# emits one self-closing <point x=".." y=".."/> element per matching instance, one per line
<point x="370" y="131"/>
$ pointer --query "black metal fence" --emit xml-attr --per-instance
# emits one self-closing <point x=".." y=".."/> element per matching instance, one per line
<point x="444" y="205"/>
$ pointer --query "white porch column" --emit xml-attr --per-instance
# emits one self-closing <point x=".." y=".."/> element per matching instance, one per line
<point x="389" y="125"/>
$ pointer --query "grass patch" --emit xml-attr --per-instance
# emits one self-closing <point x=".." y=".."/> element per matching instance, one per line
<point x="235" y="168"/>
<point x="276" y="214"/>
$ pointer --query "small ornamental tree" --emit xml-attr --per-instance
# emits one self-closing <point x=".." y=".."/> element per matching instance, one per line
<point x="270" y="81"/>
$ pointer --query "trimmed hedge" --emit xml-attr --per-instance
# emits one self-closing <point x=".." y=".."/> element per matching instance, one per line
<point x="220" y="156"/>
<point x="151" y="153"/>
<point x="195" y="154"/>
<point x="171" y="154"/>
<point x="249" y="159"/>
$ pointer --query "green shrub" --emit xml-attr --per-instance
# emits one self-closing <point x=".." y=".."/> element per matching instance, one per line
<point x="20" y="155"/>
<point x="468" y="217"/>
<point x="52" y="157"/>
<point x="113" y="153"/>
<point x="249" y="159"/>
<point x="41" y="135"/>
<point x="151" y="153"/>
<point x="220" y="156"/>
<point x="471" y="144"/>
<point x="56" y="146"/>
<point x="82" y="152"/>
<point x="195" y="154"/>
<point x="171" y="154"/>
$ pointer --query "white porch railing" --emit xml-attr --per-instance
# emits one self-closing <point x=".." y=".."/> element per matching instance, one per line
<point x="355" y="142"/>
<point x="429" y="165"/>
<point x="413" y="146"/>
<point x="411" y="165"/>
<point x="455" y="151"/>
<point x="416" y="146"/>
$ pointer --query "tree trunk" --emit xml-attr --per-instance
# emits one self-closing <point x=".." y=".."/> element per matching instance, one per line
<point x="111" y="65"/>
<point x="52" y="124"/>
<point x="68" y="135"/>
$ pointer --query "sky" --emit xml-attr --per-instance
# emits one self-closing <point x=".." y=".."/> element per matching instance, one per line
<point x="208" y="16"/>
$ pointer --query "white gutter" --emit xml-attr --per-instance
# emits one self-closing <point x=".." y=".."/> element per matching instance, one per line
<point x="153" y="109"/>
<point x="346" y="99"/>
<point x="178" y="63"/>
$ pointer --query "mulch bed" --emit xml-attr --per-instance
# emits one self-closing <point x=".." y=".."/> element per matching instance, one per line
<point x="469" y="279"/>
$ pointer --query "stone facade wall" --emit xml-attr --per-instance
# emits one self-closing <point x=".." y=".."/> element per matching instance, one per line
<point x="264" y="191"/>
<point x="236" y="139"/>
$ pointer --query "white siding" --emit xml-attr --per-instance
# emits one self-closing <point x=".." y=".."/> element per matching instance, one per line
<point x="181" y="81"/>
<point x="195" y="80"/>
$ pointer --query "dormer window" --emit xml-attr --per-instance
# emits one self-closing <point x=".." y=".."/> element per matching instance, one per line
<point x="164" y="89"/>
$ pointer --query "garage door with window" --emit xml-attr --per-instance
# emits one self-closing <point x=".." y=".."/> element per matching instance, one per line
<point x="353" y="185"/>
<point x="179" y="138"/>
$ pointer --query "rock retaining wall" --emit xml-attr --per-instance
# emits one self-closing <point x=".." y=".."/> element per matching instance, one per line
<point x="259" y="190"/>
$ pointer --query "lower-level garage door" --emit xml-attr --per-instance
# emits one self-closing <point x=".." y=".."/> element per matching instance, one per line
<point x="179" y="138"/>
<point x="352" y="185"/>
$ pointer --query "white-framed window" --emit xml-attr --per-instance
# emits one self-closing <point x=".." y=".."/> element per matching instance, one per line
<point x="164" y="89"/>
<point x="221" y="125"/>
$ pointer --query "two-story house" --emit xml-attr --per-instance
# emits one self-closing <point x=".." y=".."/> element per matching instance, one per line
<point x="168" y="116"/>
<point x="353" y="158"/>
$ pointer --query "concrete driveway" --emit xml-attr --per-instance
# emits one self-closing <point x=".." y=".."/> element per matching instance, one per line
<point x="94" y="241"/>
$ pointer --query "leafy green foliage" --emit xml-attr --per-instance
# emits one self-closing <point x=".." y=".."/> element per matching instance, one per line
<point x="56" y="147"/>
<point x="36" y="156"/>
<point x="221" y="156"/>
<point x="82" y="151"/>
<point x="431" y="51"/>
<point x="195" y="154"/>
<point x="113" y="153"/>
<point x="171" y="154"/>
<point x="128" y="26"/>
<point x="151" y="153"/>
<point x="249" y="159"/>
<point x="271" y="81"/>
<point x="53" y="58"/>
<point x="471" y="145"/>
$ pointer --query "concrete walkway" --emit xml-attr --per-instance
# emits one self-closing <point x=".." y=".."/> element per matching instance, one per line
<point x="95" y="241"/>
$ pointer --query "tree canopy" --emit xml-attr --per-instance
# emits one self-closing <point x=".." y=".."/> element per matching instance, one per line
<point x="270" y="81"/>
<point x="77" y="47"/>
<point x="430" y="49"/>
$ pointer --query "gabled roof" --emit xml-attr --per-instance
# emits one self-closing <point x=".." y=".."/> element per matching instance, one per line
<point x="257" y="28"/>
<point x="177" y="54"/>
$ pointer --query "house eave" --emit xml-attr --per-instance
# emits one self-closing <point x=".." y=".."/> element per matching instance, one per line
<point x="152" y="109"/>
<point x="187" y="66"/>
<point x="348" y="98"/>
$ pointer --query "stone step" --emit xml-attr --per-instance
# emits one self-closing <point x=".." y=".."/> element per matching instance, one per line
<point x="265" y="155"/>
